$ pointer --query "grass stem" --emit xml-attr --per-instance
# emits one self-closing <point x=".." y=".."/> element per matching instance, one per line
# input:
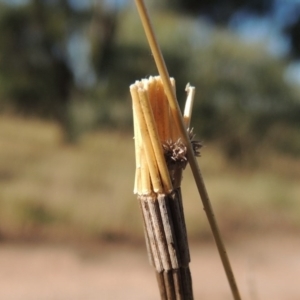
<point x="160" y="63"/>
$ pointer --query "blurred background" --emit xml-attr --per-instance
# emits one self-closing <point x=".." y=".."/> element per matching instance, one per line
<point x="66" y="138"/>
<point x="66" y="149"/>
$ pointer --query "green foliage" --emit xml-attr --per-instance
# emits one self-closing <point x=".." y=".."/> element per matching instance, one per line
<point x="240" y="92"/>
<point x="35" y="78"/>
<point x="242" y="95"/>
<point x="242" y="100"/>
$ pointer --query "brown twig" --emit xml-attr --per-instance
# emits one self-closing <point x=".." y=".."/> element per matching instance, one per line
<point x="160" y="201"/>
<point x="160" y="63"/>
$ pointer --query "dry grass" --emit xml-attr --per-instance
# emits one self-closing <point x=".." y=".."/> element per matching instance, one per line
<point x="52" y="190"/>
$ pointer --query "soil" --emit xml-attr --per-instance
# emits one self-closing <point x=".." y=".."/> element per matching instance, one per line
<point x="266" y="267"/>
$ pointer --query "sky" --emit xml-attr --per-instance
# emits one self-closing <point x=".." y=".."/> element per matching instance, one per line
<point x="269" y="29"/>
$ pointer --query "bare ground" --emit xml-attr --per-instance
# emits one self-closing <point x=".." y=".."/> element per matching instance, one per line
<point x="266" y="267"/>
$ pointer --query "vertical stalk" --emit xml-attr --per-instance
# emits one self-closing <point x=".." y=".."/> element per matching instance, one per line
<point x="160" y="63"/>
<point x="164" y="226"/>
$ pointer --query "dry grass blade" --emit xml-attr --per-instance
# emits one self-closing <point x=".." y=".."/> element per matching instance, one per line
<point x="160" y="202"/>
<point x="191" y="157"/>
<point x="150" y="156"/>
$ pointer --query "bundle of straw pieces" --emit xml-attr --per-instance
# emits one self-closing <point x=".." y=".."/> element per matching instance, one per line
<point x="160" y="159"/>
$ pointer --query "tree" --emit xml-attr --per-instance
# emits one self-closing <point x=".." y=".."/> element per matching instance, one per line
<point x="35" y="76"/>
